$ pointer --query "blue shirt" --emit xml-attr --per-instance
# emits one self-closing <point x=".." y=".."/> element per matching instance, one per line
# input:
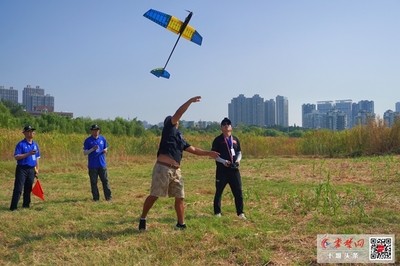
<point x="96" y="158"/>
<point x="24" y="147"/>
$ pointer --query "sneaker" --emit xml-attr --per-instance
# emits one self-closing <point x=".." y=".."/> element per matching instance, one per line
<point x="179" y="226"/>
<point x="218" y="215"/>
<point x="142" y="224"/>
<point x="242" y="216"/>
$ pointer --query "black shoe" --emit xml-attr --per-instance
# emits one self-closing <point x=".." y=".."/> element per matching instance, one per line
<point x="179" y="226"/>
<point x="142" y="224"/>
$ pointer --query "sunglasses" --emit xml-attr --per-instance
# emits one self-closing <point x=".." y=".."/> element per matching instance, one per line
<point x="226" y="124"/>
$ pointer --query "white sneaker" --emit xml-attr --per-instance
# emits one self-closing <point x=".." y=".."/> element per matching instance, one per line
<point x="242" y="216"/>
<point x="218" y="215"/>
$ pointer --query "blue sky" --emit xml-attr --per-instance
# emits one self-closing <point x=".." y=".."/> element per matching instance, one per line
<point x="95" y="56"/>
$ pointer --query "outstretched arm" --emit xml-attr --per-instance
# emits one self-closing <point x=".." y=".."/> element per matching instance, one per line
<point x="200" y="152"/>
<point x="181" y="110"/>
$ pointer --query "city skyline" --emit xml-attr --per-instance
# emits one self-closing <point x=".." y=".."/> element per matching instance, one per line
<point x="329" y="103"/>
<point x="98" y="55"/>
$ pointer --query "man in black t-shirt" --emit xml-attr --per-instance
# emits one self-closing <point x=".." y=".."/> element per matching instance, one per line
<point x="166" y="178"/>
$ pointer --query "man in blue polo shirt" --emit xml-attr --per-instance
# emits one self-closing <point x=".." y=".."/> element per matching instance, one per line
<point x="27" y="155"/>
<point x="95" y="147"/>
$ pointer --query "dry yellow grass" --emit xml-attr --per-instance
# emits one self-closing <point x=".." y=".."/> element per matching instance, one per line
<point x="280" y="192"/>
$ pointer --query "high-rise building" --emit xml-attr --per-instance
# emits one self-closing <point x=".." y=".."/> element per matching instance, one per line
<point x="306" y="109"/>
<point x="282" y="111"/>
<point x="270" y="114"/>
<point x="249" y="111"/>
<point x="398" y="107"/>
<point x="363" y="117"/>
<point x="27" y="93"/>
<point x="237" y="110"/>
<point x="34" y="100"/>
<point x="362" y="112"/>
<point x="367" y="106"/>
<point x="390" y="117"/>
<point x="345" y="106"/>
<point x="340" y="113"/>
<point x="9" y="94"/>
<point x="325" y="106"/>
<point x="41" y="103"/>
<point x="315" y="119"/>
<point x="256" y="110"/>
<point x="336" y="120"/>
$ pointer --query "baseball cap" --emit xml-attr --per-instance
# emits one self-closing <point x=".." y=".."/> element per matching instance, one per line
<point x="94" y="127"/>
<point x="28" y="128"/>
<point x="226" y="120"/>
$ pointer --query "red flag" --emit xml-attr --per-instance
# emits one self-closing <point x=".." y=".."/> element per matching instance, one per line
<point x="37" y="190"/>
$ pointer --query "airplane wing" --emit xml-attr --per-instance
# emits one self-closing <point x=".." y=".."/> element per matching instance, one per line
<point x="173" y="24"/>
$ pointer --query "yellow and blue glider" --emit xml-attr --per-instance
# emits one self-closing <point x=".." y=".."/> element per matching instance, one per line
<point x="175" y="25"/>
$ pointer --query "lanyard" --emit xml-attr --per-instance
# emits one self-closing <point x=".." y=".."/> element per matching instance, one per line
<point x="229" y="145"/>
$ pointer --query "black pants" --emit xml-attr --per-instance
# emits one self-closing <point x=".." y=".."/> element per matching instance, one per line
<point x="24" y="176"/>
<point x="231" y="177"/>
<point x="94" y="173"/>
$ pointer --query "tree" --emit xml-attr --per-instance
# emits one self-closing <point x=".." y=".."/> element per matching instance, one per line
<point x="296" y="134"/>
<point x="155" y="130"/>
<point x="272" y="132"/>
<point x="6" y="119"/>
<point x="16" y="109"/>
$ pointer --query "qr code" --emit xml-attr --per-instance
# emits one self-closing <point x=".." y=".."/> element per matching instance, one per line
<point x="380" y="248"/>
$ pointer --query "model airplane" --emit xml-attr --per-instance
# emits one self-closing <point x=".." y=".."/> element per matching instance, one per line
<point x="175" y="25"/>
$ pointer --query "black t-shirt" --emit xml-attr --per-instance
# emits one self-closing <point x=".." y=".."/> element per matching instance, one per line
<point x="172" y="143"/>
<point x="223" y="146"/>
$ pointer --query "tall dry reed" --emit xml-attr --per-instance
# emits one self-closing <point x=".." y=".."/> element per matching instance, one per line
<point x="375" y="138"/>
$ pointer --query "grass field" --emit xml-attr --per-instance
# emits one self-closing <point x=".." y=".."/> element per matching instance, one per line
<point x="288" y="201"/>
